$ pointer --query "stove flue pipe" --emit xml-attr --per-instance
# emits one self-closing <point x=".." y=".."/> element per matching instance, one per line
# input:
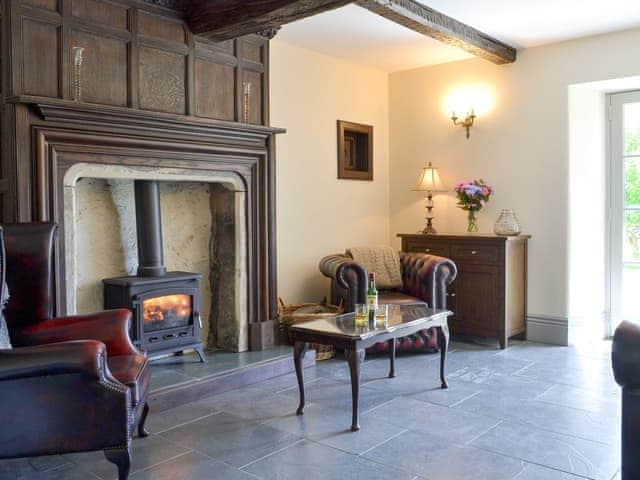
<point x="149" y="229"/>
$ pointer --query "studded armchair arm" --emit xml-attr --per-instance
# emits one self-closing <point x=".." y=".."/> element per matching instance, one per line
<point x="625" y="358"/>
<point x="427" y="277"/>
<point x="625" y="355"/>
<point x="57" y="399"/>
<point x="85" y="357"/>
<point x="348" y="278"/>
<point x="111" y="327"/>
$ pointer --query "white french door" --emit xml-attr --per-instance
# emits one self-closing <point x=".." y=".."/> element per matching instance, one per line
<point x="624" y="207"/>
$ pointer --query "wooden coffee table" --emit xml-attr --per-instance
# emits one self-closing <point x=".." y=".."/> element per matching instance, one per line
<point x="355" y="335"/>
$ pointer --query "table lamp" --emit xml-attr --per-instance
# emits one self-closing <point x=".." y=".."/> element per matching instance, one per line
<point x="429" y="181"/>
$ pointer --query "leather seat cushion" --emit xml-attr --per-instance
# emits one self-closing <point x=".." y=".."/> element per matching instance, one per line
<point x="134" y="372"/>
<point x="422" y="341"/>
<point x="396" y="297"/>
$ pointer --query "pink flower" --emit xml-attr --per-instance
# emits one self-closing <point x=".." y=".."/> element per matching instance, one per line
<point x="485" y="191"/>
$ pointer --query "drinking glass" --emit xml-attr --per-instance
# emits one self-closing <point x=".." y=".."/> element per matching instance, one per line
<point x="382" y="315"/>
<point x="362" y="312"/>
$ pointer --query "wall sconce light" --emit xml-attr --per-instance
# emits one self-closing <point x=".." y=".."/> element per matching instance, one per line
<point x="466" y="122"/>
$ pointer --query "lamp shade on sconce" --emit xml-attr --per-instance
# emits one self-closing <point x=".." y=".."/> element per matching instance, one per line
<point x="429" y="181"/>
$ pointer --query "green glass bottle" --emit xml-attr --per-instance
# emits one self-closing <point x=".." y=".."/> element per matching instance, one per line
<point x="372" y="298"/>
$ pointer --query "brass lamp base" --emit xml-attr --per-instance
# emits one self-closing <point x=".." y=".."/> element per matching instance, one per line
<point x="428" y="229"/>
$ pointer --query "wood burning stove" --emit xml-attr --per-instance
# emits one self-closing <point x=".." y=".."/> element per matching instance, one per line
<point x="165" y="305"/>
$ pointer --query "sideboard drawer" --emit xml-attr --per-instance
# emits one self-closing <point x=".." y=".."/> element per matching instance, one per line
<point x="477" y="254"/>
<point x="426" y="246"/>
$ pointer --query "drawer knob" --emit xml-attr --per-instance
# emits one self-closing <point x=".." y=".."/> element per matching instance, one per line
<point x="453" y="294"/>
<point x="427" y="250"/>
<point x="474" y="252"/>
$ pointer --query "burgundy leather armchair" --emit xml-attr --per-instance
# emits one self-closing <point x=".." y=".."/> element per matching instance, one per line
<point x="425" y="278"/>
<point x="72" y="384"/>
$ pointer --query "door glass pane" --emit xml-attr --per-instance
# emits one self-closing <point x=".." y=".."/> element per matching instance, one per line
<point x="632" y="129"/>
<point x="170" y="311"/>
<point x="630" y="288"/>
<point x="632" y="182"/>
<point x="631" y="214"/>
<point x="631" y="238"/>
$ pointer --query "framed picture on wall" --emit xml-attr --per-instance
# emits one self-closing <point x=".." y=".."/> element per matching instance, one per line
<point x="355" y="151"/>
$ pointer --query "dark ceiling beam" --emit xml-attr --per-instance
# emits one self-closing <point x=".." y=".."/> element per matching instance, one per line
<point x="225" y="19"/>
<point x="432" y="23"/>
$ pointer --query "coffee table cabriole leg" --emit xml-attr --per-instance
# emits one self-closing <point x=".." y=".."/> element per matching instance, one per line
<point x="355" y="357"/>
<point x="299" y="351"/>
<point x="391" y="345"/>
<point x="443" y="343"/>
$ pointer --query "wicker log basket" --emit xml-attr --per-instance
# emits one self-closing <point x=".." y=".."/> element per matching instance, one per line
<point x="305" y="312"/>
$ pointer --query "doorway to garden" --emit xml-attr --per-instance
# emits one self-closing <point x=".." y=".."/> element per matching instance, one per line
<point x="624" y="207"/>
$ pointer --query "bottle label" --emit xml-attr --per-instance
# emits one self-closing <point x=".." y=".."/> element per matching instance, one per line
<point x="372" y="302"/>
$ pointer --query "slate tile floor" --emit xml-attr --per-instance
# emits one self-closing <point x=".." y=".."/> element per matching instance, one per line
<point x="532" y="412"/>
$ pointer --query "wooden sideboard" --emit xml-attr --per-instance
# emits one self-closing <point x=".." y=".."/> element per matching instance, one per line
<point x="489" y="295"/>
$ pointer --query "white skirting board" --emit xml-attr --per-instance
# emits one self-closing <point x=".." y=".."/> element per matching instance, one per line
<point x="548" y="329"/>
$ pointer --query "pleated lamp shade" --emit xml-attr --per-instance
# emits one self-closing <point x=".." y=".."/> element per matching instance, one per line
<point x="429" y="180"/>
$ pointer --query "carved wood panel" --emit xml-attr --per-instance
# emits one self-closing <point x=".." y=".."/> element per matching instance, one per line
<point x="40" y="74"/>
<point x="160" y="27"/>
<point x="104" y="70"/>
<point x="51" y="5"/>
<point x="252" y="51"/>
<point x="135" y="55"/>
<point x="215" y="84"/>
<point x="226" y="46"/>
<point x="255" y="99"/>
<point x="101" y="12"/>
<point x="162" y="81"/>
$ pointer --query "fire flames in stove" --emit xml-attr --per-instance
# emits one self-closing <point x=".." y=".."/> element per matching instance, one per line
<point x="166" y="312"/>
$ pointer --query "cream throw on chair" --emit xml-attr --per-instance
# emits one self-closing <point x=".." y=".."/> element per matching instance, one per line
<point x="383" y="261"/>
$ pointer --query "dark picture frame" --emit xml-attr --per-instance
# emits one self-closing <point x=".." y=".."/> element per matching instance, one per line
<point x="355" y="151"/>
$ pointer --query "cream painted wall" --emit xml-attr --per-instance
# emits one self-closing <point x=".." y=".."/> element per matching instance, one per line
<point x="587" y="282"/>
<point x="521" y="147"/>
<point x="318" y="214"/>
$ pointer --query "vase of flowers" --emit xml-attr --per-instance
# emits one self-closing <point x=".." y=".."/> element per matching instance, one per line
<point x="472" y="196"/>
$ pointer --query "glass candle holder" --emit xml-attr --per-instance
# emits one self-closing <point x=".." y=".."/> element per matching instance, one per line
<point x="77" y="57"/>
<point x="246" y="100"/>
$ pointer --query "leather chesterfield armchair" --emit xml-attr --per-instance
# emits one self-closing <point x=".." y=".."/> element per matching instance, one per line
<point x="71" y="384"/>
<point x="425" y="278"/>
<point x="625" y="357"/>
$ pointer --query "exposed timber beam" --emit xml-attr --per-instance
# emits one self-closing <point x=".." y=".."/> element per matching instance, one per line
<point x="225" y="19"/>
<point x="432" y="23"/>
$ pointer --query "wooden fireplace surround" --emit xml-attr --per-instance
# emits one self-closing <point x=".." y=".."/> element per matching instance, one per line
<point x="153" y="94"/>
<point x="65" y="133"/>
